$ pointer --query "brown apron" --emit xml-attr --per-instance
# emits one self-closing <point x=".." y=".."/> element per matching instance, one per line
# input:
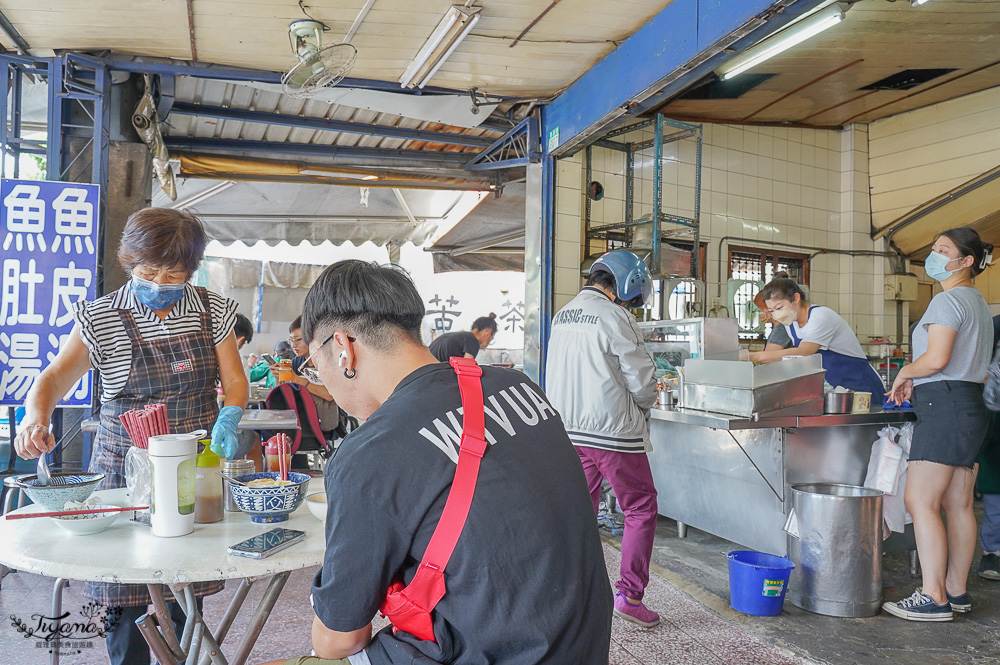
<point x="179" y="371"/>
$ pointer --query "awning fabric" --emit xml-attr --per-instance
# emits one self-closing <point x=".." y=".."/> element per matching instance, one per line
<point x="974" y="203"/>
<point x="294" y="212"/>
<point x="491" y="237"/>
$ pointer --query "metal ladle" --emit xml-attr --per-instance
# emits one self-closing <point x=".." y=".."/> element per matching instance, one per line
<point x="42" y="467"/>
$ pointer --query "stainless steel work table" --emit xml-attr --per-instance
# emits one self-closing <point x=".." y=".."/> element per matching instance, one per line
<point x="731" y="476"/>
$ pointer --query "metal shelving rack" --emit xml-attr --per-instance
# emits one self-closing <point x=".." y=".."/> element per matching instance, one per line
<point x="665" y="131"/>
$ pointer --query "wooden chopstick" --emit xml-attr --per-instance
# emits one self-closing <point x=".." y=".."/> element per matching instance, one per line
<point x="61" y="513"/>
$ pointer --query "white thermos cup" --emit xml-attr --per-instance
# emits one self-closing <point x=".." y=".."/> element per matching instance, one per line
<point x="172" y="468"/>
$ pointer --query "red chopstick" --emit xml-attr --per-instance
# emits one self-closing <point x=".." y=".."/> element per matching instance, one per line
<point x="61" y="513"/>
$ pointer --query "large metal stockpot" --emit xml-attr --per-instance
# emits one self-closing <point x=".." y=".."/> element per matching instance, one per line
<point x="835" y="541"/>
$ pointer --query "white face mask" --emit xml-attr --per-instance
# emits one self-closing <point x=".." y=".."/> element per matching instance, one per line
<point x="785" y="317"/>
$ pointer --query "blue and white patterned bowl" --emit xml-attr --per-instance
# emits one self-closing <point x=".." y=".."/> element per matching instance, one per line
<point x="65" y="486"/>
<point x="267" y="505"/>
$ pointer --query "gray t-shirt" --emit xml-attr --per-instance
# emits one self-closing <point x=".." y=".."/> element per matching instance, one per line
<point x="779" y="337"/>
<point x="964" y="310"/>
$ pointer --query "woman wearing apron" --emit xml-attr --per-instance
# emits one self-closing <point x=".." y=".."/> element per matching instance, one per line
<point x="156" y="339"/>
<point x="815" y="329"/>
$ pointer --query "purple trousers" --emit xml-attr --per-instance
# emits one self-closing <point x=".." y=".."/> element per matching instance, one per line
<point x="632" y="482"/>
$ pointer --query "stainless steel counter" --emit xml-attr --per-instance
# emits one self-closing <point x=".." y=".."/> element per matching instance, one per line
<point x="732" y="476"/>
<point x="727" y="422"/>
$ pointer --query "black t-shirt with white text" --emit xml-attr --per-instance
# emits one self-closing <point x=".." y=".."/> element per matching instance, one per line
<point x="454" y="345"/>
<point x="527" y="582"/>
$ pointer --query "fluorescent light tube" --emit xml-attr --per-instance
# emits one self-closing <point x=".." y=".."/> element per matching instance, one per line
<point x="338" y="174"/>
<point x="781" y="41"/>
<point x="450" y="31"/>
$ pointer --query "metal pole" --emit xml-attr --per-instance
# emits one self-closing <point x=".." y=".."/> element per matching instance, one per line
<point x="57" y="594"/>
<point x="230" y="615"/>
<point x="657" y="192"/>
<point x="629" y="182"/>
<point x="260" y="616"/>
<point x="147" y="626"/>
<point x="15" y="117"/>
<point x="696" y="250"/>
<point x="54" y="149"/>
<point x="548" y="232"/>
<point x="194" y="617"/>
<point x="164" y="620"/>
<point x="589" y="155"/>
<point x="7" y="74"/>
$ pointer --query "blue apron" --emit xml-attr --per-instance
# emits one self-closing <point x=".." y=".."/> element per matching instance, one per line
<point x="851" y="373"/>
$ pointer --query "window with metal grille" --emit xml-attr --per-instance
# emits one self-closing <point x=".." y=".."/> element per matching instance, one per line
<point x="760" y="265"/>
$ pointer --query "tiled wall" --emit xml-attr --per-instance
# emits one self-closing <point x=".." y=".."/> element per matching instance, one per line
<point x="919" y="155"/>
<point x="568" y="250"/>
<point x="761" y="186"/>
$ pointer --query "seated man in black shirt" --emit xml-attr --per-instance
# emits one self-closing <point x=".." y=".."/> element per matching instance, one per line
<point x="527" y="582"/>
<point x="465" y="344"/>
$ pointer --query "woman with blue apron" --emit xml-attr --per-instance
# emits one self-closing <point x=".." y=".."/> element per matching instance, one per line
<point x="157" y="339"/>
<point x="815" y="329"/>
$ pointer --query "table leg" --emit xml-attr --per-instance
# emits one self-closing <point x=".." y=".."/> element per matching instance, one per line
<point x="57" y="594"/>
<point x="230" y="615"/>
<point x="260" y="616"/>
<point x="151" y="633"/>
<point x="178" y="591"/>
<point x="193" y="615"/>
<point x="164" y="621"/>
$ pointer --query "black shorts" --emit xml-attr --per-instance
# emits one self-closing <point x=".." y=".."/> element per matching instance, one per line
<point x="952" y="422"/>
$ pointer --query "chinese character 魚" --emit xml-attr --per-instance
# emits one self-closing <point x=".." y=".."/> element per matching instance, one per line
<point x="74" y="217"/>
<point x="25" y="218"/>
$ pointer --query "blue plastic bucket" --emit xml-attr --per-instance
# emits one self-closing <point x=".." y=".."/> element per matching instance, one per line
<point x="757" y="582"/>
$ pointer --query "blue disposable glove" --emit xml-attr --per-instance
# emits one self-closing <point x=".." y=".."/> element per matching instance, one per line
<point x="224" y="433"/>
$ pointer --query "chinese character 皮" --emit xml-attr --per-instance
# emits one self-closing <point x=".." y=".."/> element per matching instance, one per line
<point x="69" y="286"/>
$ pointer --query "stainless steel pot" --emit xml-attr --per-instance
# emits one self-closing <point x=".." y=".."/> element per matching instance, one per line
<point x="838" y="402"/>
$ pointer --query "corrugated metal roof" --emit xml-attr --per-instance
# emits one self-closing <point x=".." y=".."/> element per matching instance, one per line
<point x="214" y="93"/>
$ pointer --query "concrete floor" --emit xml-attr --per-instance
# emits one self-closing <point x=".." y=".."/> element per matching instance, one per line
<point x="697" y="566"/>
<point x="689" y="634"/>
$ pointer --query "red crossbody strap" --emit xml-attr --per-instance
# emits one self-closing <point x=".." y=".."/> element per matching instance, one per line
<point x="456" y="508"/>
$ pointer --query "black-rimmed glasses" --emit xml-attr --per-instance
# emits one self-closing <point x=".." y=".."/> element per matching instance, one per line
<point x="309" y="372"/>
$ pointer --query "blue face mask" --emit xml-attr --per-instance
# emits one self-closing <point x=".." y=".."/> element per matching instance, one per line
<point x="156" y="296"/>
<point x="936" y="266"/>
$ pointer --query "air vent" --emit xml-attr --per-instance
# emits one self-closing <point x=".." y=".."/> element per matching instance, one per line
<point x="907" y="79"/>
<point x="716" y="88"/>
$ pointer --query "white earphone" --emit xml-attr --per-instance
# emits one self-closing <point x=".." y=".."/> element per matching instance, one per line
<point x="343" y="358"/>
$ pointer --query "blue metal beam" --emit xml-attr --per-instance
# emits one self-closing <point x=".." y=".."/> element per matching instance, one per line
<point x="323" y="124"/>
<point x="672" y="49"/>
<point x="229" y="145"/>
<point x="162" y="66"/>
<point x="54" y="126"/>
<point x="517" y="147"/>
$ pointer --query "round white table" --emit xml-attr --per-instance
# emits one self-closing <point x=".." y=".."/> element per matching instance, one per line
<point x="128" y="553"/>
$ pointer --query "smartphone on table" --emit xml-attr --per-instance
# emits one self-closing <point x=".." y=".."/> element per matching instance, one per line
<point x="267" y="543"/>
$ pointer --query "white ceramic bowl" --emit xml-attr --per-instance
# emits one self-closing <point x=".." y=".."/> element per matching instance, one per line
<point x="316" y="502"/>
<point x="84" y="525"/>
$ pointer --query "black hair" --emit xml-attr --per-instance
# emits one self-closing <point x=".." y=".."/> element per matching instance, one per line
<point x="377" y="304"/>
<point x="486" y="323"/>
<point x="969" y="243"/>
<point x="295" y="325"/>
<point x="781" y="274"/>
<point x="283" y="350"/>
<point x="243" y="328"/>
<point x="782" y="288"/>
<point x="603" y="279"/>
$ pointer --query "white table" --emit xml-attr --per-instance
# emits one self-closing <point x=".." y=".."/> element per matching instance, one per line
<point x="128" y="553"/>
<point x="256" y="419"/>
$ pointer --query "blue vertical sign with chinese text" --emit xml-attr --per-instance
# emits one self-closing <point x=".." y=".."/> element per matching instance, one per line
<point x="48" y="245"/>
